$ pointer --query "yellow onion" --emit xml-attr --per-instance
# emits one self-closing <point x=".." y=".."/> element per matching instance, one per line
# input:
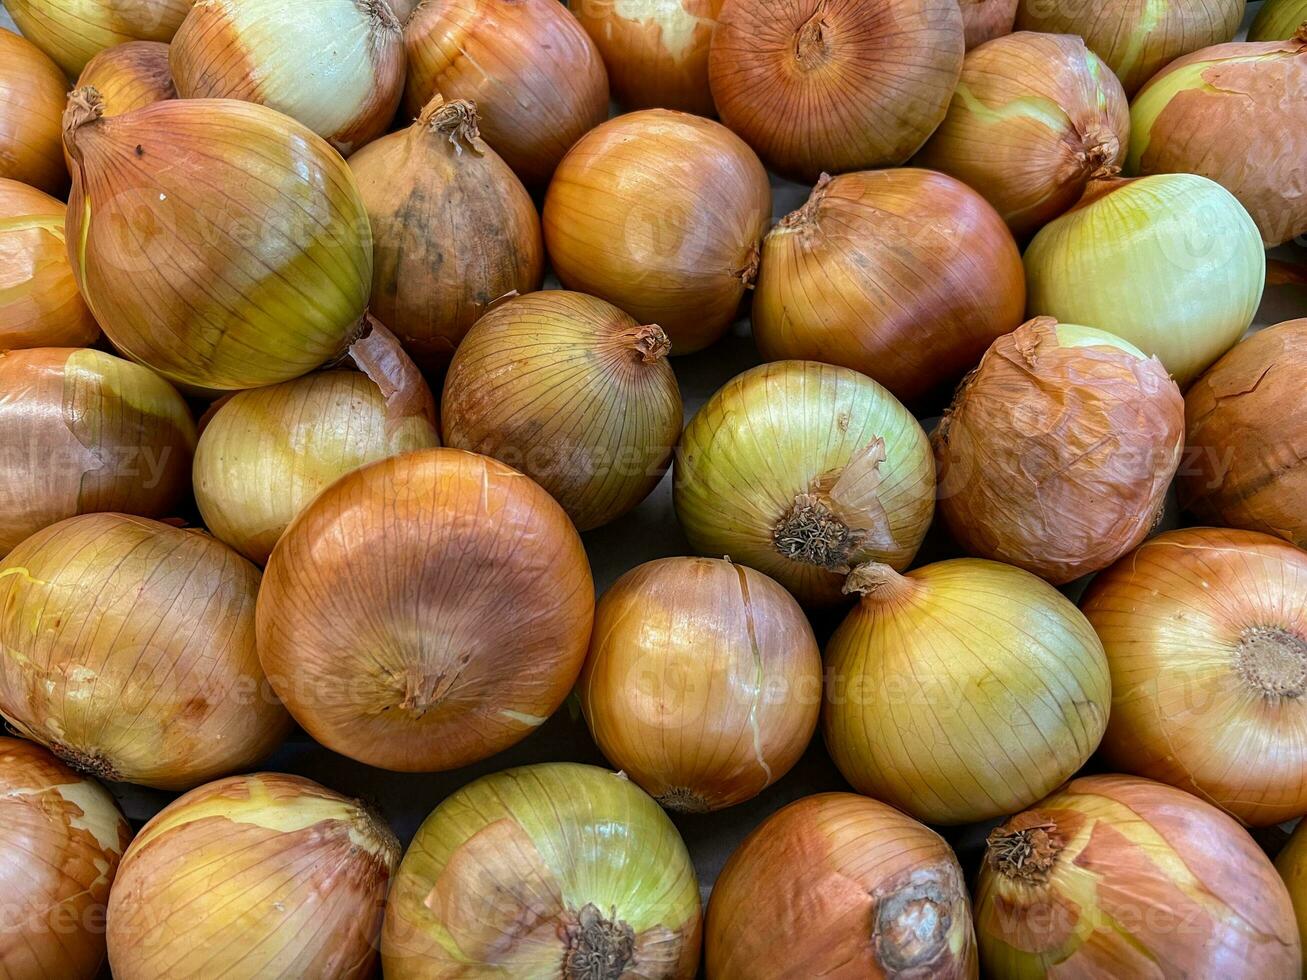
<point x="72" y="32"/>
<point x="453" y="230"/>
<point x="554" y="870"/>
<point x="61" y="838"/>
<point x="1058" y="450"/>
<point x="83" y="431"/>
<point x="1171" y="263"/>
<point x="1114" y="876"/>
<point x="838" y="885"/>
<point x="335" y="65"/>
<point x="1292" y="865"/>
<point x="963" y="691"/>
<point x="835" y="85"/>
<point x="264" y="454"/>
<point x="1033" y="119"/>
<point x="1278" y="20"/>
<point x="703" y="681"/>
<point x="127" y="648"/>
<point x="32" y="95"/>
<point x="572" y="392"/>
<point x="130" y="76"/>
<point x="661" y="213"/>
<point x="426" y="611"/>
<point x="984" y="20"/>
<point x="528" y="65"/>
<point x="218" y="242"/>
<point x="905" y="275"/>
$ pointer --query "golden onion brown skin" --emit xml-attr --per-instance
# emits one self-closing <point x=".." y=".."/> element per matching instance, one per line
<point x="72" y="32"/>
<point x="984" y="20"/>
<point x="130" y="76"/>
<point x="32" y="95"/>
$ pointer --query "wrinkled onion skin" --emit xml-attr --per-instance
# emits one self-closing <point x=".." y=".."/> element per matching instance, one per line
<point x="72" y="32"/>
<point x="1277" y="20"/>
<point x="32" y="95"/>
<point x="1152" y="882"/>
<point x="839" y="885"/>
<point x="130" y="76"/>
<point x="984" y="20"/>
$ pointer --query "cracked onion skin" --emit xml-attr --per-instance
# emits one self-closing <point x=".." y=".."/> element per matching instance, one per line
<point x="130" y="76"/>
<point x="984" y="20"/>
<point x="32" y="95"/>
<point x="72" y="32"/>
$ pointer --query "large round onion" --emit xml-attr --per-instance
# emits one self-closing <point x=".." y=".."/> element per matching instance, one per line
<point x="84" y="431"/>
<point x="127" y="647"/>
<point x="703" y="681"/>
<point x="426" y="611"/>
<point x="1278" y="20"/>
<point x="835" y="85"/>
<point x="32" y="93"/>
<point x="1125" y="877"/>
<point x="802" y="471"/>
<point x="840" y="885"/>
<point x="984" y="20"/>
<point x="72" y="32"/>
<point x="253" y="876"/>
<point x="130" y="76"/>
<point x="555" y="870"/>
<point x="905" y="275"/>
<point x="661" y="213"/>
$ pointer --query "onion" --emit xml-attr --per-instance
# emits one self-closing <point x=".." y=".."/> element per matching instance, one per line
<point x="1278" y="20"/>
<point x="1124" y="877"/>
<point x="835" y="85"/>
<point x="1034" y="118"/>
<point x="1292" y="865"/>
<point x="130" y="76"/>
<point x="703" y="681"/>
<point x="454" y="230"/>
<point x="127" y="648"/>
<point x="32" y="94"/>
<point x="426" y="611"/>
<point x="253" y="876"/>
<point x="72" y="32"/>
<point x="218" y="242"/>
<point x="403" y="9"/>
<point x="984" y="20"/>
<point x="904" y="275"/>
<point x="61" y="837"/>
<point x="528" y="65"/>
<point x="839" y="885"/>
<point x="661" y="213"/>
<point x="963" y="691"/>
<point x="554" y="870"/>
<point x="84" y="431"/>
<point x="1171" y="263"/>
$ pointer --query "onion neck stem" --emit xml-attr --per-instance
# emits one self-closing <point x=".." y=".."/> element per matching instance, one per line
<point x="876" y="580"/>
<point x="456" y="121"/>
<point x="810" y="46"/>
<point x="1025" y="848"/>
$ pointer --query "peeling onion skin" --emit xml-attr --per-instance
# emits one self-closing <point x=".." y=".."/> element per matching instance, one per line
<point x="1125" y="877"/>
<point x="1278" y="20"/>
<point x="157" y="681"/>
<point x="130" y="76"/>
<point x="590" y="879"/>
<point x="267" y="875"/>
<point x="984" y="20"/>
<point x="661" y="213"/>
<point x="906" y="275"/>
<point x="32" y="95"/>
<point x="72" y="32"/>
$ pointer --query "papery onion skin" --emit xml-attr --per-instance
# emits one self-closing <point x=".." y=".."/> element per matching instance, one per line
<point x="906" y="275"/>
<point x="840" y="885"/>
<point x="1291" y="863"/>
<point x="128" y="650"/>
<point x="1278" y="20"/>
<point x="72" y="32"/>
<point x="661" y="213"/>
<point x="253" y="876"/>
<point x="84" y="431"/>
<point x="703" y="682"/>
<point x="32" y="95"/>
<point x="590" y="878"/>
<point x="1033" y="119"/>
<point x="984" y="20"/>
<point x="130" y="76"/>
<point x="1120" y="876"/>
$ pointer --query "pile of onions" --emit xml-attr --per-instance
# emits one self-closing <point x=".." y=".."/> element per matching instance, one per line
<point x="335" y="65"/>
<point x="840" y="885"/>
<point x="557" y="870"/>
<point x="661" y="213"/>
<point x="253" y="876"/>
<point x="219" y="242"/>
<point x="1292" y="865"/>
<point x="453" y="229"/>
<point x="61" y="838"/>
<point x="1125" y="877"/>
<point x="426" y="611"/>
<point x="130" y="76"/>
<point x="529" y="66"/>
<point x="905" y="275"/>
<point x="72" y="32"/>
<point x="703" y="681"/>
<point x="156" y="681"/>
<point x="803" y="471"/>
<point x="1033" y="119"/>
<point x="84" y="431"/>
<point x="963" y="691"/>
<point x="835" y="85"/>
<point x="32" y="93"/>
<point x="984" y="20"/>
<point x="1058" y="450"/>
<point x="1172" y="263"/>
<point x="1278" y="20"/>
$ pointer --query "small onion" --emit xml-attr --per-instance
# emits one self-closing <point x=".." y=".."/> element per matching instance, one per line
<point x="72" y="32"/>
<point x="130" y="76"/>
<point x="1114" y="876"/>
<point x="32" y="95"/>
<point x="127" y="648"/>
<point x="984" y="20"/>
<point x="1292" y="865"/>
<point x="963" y="691"/>
<point x="661" y="213"/>
<point x="1171" y="263"/>
<point x="837" y="885"/>
<point x="905" y="275"/>
<point x="703" y="682"/>
<point x="266" y="875"/>
<point x="1278" y="20"/>
<point x="555" y="870"/>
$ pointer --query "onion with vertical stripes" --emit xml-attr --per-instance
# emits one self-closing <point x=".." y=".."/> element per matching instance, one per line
<point x="32" y="95"/>
<point x="72" y="32"/>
